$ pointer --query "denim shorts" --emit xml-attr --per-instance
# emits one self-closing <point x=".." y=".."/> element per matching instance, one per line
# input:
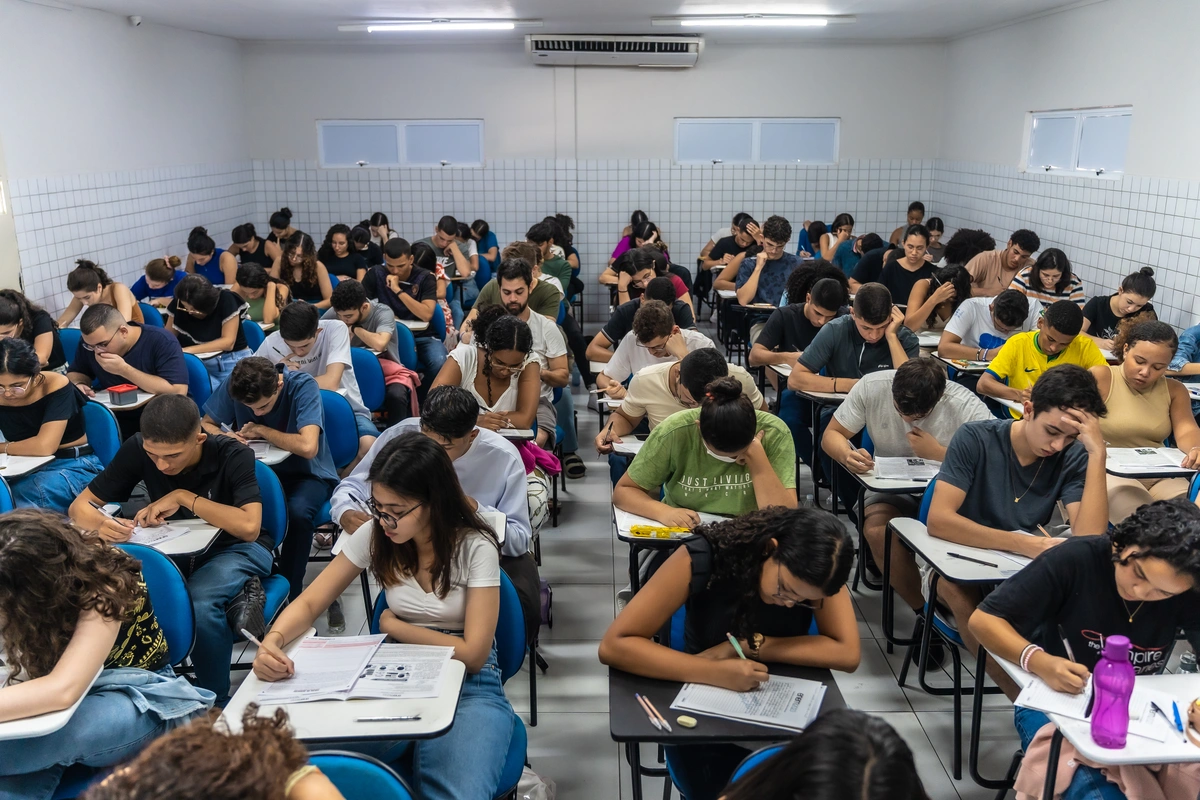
<point x="365" y="426"/>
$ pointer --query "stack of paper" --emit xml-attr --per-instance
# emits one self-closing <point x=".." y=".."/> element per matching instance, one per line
<point x="906" y="469"/>
<point x="780" y="702"/>
<point x="152" y="537"/>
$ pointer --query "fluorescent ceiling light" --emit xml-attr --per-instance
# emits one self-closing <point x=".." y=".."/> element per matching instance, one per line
<point x="754" y="21"/>
<point x="442" y="25"/>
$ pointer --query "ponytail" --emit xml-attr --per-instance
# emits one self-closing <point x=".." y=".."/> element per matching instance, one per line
<point x="86" y="277"/>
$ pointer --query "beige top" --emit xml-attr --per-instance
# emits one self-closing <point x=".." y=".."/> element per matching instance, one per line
<point x="650" y="395"/>
<point x="989" y="273"/>
<point x="1136" y="419"/>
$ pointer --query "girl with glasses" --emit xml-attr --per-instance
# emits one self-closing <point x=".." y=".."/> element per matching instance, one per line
<point x="41" y="414"/>
<point x="207" y="319"/>
<point x="764" y="577"/>
<point x="21" y="319"/>
<point x="439" y="566"/>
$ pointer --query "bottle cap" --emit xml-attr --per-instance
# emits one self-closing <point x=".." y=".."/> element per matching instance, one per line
<point x="1116" y="647"/>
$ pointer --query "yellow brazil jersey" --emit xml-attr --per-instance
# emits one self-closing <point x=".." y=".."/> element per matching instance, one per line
<point x="1021" y="362"/>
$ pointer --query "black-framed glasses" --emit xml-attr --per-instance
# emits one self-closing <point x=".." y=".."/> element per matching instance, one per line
<point x="385" y="519"/>
<point x="91" y="348"/>
<point x="788" y="597"/>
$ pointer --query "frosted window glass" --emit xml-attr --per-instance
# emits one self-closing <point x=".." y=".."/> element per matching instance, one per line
<point x="434" y="143"/>
<point x="803" y="142"/>
<point x="1104" y="142"/>
<point x="706" y="141"/>
<point x="1052" y="142"/>
<point x="346" y="145"/>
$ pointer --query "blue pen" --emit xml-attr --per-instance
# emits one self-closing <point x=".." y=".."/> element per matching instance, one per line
<point x="1178" y="719"/>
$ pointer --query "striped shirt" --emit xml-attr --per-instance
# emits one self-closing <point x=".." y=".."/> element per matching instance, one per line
<point x="1074" y="291"/>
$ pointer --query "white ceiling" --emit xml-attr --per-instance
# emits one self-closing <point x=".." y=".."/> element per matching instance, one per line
<point x="317" y="20"/>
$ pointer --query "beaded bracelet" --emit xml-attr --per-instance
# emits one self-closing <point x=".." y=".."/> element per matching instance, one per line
<point x="1027" y="654"/>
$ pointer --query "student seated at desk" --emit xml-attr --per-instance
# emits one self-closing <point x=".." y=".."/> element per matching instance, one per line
<point x="280" y="223"/>
<point x="993" y="271"/>
<point x="486" y="243"/>
<point x="764" y="578"/>
<point x="915" y="216"/>
<point x="641" y="265"/>
<point x="546" y="235"/>
<point x="264" y="296"/>
<point x="763" y="279"/>
<point x="639" y="233"/>
<point x="299" y="268"/>
<point x="372" y="325"/>
<point x="870" y="265"/>
<point x="719" y="254"/>
<point x="725" y="279"/>
<point x="839" y="234"/>
<point x="1102" y="314"/>
<point x="204" y="761"/>
<point x="1005" y="475"/>
<point x="205" y="258"/>
<point x="411" y="293"/>
<point x="257" y="403"/>
<point x="1138" y="581"/>
<point x="32" y="324"/>
<point x="981" y="325"/>
<point x="439" y="566"/>
<point x="542" y="297"/>
<point x="816" y="294"/>
<point x="725" y="457"/>
<point x="936" y="250"/>
<point x="307" y="343"/>
<point x="843" y="754"/>
<point x="899" y="275"/>
<point x="1050" y="279"/>
<point x="1145" y="408"/>
<point x="206" y="319"/>
<point x="189" y="474"/>
<point x="655" y="339"/>
<point x="909" y="411"/>
<point x="41" y="414"/>
<point x="75" y="606"/>
<point x="933" y="301"/>
<point x="339" y="257"/>
<point x="157" y="286"/>
<point x="964" y="245"/>
<point x="249" y="247"/>
<point x="90" y="285"/>
<point x="1025" y="356"/>
<point x="360" y="237"/>
<point x="604" y="343"/>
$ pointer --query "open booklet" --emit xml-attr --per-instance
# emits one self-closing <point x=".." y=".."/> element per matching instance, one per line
<point x="1146" y="456"/>
<point x="780" y="702"/>
<point x="908" y="469"/>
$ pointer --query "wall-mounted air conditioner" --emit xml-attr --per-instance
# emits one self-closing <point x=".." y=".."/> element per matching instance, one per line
<point x="568" y="50"/>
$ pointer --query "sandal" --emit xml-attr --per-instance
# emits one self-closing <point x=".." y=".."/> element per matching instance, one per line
<point x="573" y="466"/>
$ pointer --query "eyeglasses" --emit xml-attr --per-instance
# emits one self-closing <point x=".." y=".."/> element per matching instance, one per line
<point x="385" y="519"/>
<point x="17" y="391"/>
<point x="91" y="348"/>
<point x="788" y="597"/>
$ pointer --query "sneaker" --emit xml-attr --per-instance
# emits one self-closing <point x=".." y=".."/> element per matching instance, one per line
<point x="245" y="611"/>
<point x="591" y="404"/>
<point x="337" y="620"/>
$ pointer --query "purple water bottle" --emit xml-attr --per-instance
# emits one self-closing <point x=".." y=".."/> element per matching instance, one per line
<point x="1112" y="682"/>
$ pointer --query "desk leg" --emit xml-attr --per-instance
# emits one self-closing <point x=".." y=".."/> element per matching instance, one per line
<point x="889" y="597"/>
<point x="633" y="754"/>
<point x="1052" y="763"/>
<point x="863" y="547"/>
<point x="976" y="722"/>
<point x="634" y="576"/>
<point x="812" y="457"/>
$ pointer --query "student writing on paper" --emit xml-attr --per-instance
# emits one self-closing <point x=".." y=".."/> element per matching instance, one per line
<point x="1139" y="581"/>
<point x="911" y="411"/>
<point x="21" y="319"/>
<point x="726" y="245"/>
<point x="189" y="474"/>
<point x="439" y="567"/>
<point x="655" y="339"/>
<point x="1145" y="408"/>
<point x="218" y="266"/>
<point x="299" y="268"/>
<point x="264" y="295"/>
<point x="1103" y="313"/>
<point x="249" y="247"/>
<point x="339" y="256"/>
<point x="1050" y="279"/>
<point x="1002" y="476"/>
<point x="372" y="325"/>
<point x="89" y="285"/>
<point x="620" y="322"/>
<point x="73" y="606"/>
<point x="981" y="325"/>
<point x="901" y="274"/>
<point x="157" y="286"/>
<point x="843" y="754"/>
<point x="765" y="577"/>
<point x="206" y="319"/>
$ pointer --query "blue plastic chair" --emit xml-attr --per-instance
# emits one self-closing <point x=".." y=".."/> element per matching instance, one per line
<point x="752" y="761"/>
<point x="6" y="498"/>
<point x="407" y="345"/>
<point x="356" y="775"/>
<point x="254" y="334"/>
<point x="102" y="431"/>
<point x="340" y="428"/>
<point x="369" y="374"/>
<point x="152" y="316"/>
<point x="334" y="280"/>
<point x="1194" y="489"/>
<point x="438" y="324"/>
<point x="274" y="522"/>
<point x="70" y="338"/>
<point x="170" y="598"/>
<point x="199" y="382"/>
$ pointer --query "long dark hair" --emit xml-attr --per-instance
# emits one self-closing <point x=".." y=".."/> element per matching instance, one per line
<point x="50" y="574"/>
<point x="16" y="308"/>
<point x="17" y="357"/>
<point x="958" y="277"/>
<point x="308" y="260"/>
<point x="1053" y="259"/>
<point x="326" y="254"/>
<point x="812" y="544"/>
<point x="199" y="293"/>
<point x="414" y="466"/>
<point x="87" y="277"/>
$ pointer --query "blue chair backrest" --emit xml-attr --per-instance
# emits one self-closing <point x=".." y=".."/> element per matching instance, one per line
<point x="369" y="375"/>
<point x="867" y="444"/>
<point x="6" y="498"/>
<point x="438" y="323"/>
<point x="926" y="500"/>
<point x="340" y="428"/>
<point x="562" y="312"/>
<point x="754" y="759"/>
<point x="151" y="315"/>
<point x="253" y="333"/>
<point x="334" y="280"/>
<point x="102" y="432"/>
<point x="274" y="504"/>
<point x="170" y="598"/>
<point x="356" y="775"/>
<point x="407" y="346"/>
<point x="484" y="273"/>
<point x="70" y="338"/>
<point x="199" y="384"/>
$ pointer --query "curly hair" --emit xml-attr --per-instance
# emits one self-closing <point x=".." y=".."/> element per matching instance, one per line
<point x="201" y="761"/>
<point x="810" y="543"/>
<point x="325" y="252"/>
<point x="1143" y="327"/>
<point x="805" y="277"/>
<point x="50" y="573"/>
<point x="652" y="319"/>
<point x="965" y="244"/>
<point x="308" y="260"/>
<point x="1166" y="529"/>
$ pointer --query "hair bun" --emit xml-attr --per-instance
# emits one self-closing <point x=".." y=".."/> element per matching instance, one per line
<point x="287" y="212"/>
<point x="198" y="231"/>
<point x="174" y="261"/>
<point x="83" y="263"/>
<point x="1147" y="271"/>
<point x="724" y="390"/>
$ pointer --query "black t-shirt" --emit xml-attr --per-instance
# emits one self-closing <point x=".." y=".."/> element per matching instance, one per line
<point x="712" y="607"/>
<point x="788" y="330"/>
<point x="43" y="323"/>
<point x="871" y="264"/>
<point x="900" y="281"/>
<point x="372" y="254"/>
<point x="197" y="330"/>
<point x="18" y="423"/>
<point x="271" y="237"/>
<point x="1102" y="322"/>
<point x="421" y="286"/>
<point x="225" y="475"/>
<point x="259" y="256"/>
<point x="726" y="247"/>
<point x="621" y="321"/>
<point x="346" y="267"/>
<point x="1074" y="585"/>
<point x="156" y="352"/>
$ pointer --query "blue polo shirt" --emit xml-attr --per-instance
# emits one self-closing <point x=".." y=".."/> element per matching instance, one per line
<point x="299" y="405"/>
<point x="141" y="290"/>
<point x="156" y="352"/>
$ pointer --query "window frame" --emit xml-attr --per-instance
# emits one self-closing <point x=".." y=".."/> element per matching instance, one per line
<point x="756" y="140"/>
<point x="1079" y="115"/>
<point x="401" y="126"/>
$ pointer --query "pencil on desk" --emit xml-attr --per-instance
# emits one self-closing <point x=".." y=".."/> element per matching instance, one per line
<point x="961" y="557"/>
<point x="1045" y="532"/>
<point x="645" y="704"/>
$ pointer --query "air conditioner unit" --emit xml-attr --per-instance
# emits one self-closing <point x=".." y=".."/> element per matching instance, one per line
<point x="614" y="51"/>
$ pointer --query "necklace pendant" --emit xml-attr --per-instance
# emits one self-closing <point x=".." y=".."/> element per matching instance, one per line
<point x="1016" y="499"/>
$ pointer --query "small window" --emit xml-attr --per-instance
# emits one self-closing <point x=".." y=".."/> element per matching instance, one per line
<point x="1084" y="142"/>
<point x="756" y="141"/>
<point x="399" y="143"/>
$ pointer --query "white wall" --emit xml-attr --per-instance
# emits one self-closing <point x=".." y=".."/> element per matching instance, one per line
<point x="1111" y="53"/>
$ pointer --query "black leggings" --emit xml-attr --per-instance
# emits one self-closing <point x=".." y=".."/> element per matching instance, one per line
<point x="578" y="346"/>
<point x="397" y="403"/>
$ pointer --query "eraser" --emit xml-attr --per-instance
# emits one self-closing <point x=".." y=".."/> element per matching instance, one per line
<point x="686" y="722"/>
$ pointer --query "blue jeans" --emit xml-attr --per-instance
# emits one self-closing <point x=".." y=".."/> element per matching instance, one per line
<point x="106" y="729"/>
<point x="56" y="485"/>
<point x="365" y="426"/>
<point x="306" y="495"/>
<point x="468" y="291"/>
<point x="1088" y="784"/>
<point x="456" y="310"/>
<point x="796" y="412"/>
<point x="565" y="407"/>
<point x="220" y="366"/>
<point x="216" y="579"/>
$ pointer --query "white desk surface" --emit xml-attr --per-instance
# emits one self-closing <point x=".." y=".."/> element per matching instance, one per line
<point x="972" y="367"/>
<point x="824" y="398"/>
<point x="628" y="446"/>
<point x="727" y="294"/>
<point x="889" y="485"/>
<point x="497" y="521"/>
<point x="597" y="366"/>
<point x="414" y="325"/>
<point x="1013" y="404"/>
<point x="102" y="397"/>
<point x="1193" y="390"/>
<point x="274" y="455"/>
<point x="625" y="520"/>
<point x="16" y="466"/>
<point x="266" y="326"/>
<point x="1108" y="355"/>
<point x="936" y="552"/>
<point x="198" y="538"/>
<point x="42" y="724"/>
<point x="610" y="402"/>
<point x="517" y="434"/>
<point x="929" y="339"/>
<point x="782" y="369"/>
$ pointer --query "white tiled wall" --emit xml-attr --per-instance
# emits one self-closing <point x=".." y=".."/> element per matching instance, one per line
<point x="1108" y="228"/>
<point x="122" y="220"/>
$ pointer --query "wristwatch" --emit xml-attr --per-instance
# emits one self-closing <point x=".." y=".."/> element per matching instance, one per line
<point x="755" y="642"/>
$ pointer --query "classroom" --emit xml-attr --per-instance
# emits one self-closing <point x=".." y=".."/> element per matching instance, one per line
<point x="480" y="401"/>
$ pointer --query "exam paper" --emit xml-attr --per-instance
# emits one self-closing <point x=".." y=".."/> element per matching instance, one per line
<point x="1038" y="695"/>
<point x="1146" y="456"/>
<point x="260" y="448"/>
<point x="402" y="672"/>
<point x="780" y="702"/>
<point x="157" y="535"/>
<point x="1143" y="720"/>
<point x="325" y="666"/>
<point x="908" y="469"/>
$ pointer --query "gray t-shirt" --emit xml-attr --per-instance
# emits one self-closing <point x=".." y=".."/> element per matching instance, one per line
<point x="869" y="404"/>
<point x="332" y="347"/>
<point x="843" y="353"/>
<point x="380" y="319"/>
<point x="981" y="462"/>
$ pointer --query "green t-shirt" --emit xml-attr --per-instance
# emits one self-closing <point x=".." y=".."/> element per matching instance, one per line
<point x="543" y="299"/>
<point x="558" y="268"/>
<point x="674" y="458"/>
